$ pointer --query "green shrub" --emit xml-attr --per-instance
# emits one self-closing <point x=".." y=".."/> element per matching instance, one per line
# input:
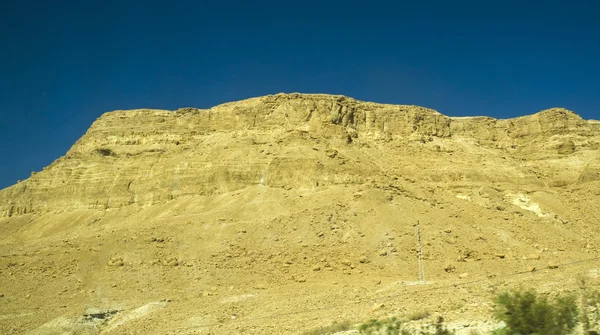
<point x="393" y="326"/>
<point x="589" y="306"/>
<point x="527" y="314"/>
<point x="440" y="329"/>
<point x="501" y="331"/>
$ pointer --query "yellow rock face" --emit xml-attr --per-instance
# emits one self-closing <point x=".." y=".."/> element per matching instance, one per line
<point x="147" y="157"/>
<point x="203" y="220"/>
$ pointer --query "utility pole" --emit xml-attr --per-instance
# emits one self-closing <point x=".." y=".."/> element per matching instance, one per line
<point x="421" y="266"/>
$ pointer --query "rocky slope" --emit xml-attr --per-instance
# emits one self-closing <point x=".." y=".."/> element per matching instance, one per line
<point x="146" y="157"/>
<point x="221" y="220"/>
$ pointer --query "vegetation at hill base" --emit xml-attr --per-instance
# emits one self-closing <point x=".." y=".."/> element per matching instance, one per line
<point x="524" y="312"/>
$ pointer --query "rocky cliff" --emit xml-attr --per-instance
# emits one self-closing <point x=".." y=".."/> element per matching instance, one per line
<point x="146" y="156"/>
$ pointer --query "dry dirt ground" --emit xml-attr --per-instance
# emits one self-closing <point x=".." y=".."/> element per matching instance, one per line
<point x="290" y="212"/>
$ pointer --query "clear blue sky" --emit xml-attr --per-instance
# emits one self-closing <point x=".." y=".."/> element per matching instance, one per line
<point x="64" y="63"/>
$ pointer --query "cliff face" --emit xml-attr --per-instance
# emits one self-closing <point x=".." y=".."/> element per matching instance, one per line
<point x="279" y="214"/>
<point x="146" y="157"/>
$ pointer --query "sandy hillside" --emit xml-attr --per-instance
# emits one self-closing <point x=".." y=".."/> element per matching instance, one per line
<point x="278" y="214"/>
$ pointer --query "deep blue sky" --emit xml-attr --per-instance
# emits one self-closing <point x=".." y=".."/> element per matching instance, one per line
<point x="64" y="63"/>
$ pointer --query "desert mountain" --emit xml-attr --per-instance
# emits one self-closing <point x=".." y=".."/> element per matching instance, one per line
<point x="281" y="213"/>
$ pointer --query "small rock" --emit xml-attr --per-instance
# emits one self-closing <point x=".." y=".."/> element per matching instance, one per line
<point x="331" y="153"/>
<point x="552" y="265"/>
<point x="463" y="275"/>
<point x="320" y="234"/>
<point x="171" y="262"/>
<point x="499" y="255"/>
<point x="1" y="295"/>
<point x="346" y="262"/>
<point x="449" y="268"/>
<point x="260" y="287"/>
<point x="377" y="307"/>
<point x="363" y="259"/>
<point x="383" y="252"/>
<point x="316" y="268"/>
<point x="530" y="269"/>
<point x="28" y="296"/>
<point x="116" y="261"/>
<point x="532" y="257"/>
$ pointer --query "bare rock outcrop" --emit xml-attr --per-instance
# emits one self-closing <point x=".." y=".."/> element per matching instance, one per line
<point x="150" y="156"/>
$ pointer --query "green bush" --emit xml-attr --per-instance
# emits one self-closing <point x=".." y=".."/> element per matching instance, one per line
<point x="589" y="306"/>
<point x="393" y="326"/>
<point x="501" y="331"/>
<point x="525" y="313"/>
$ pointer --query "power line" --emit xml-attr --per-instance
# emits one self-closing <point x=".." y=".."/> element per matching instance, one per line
<point x="421" y="266"/>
